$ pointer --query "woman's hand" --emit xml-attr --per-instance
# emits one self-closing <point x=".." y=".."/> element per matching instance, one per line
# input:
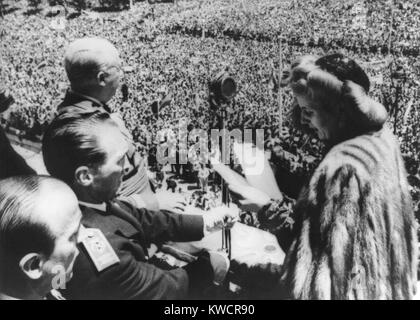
<point x="248" y="197"/>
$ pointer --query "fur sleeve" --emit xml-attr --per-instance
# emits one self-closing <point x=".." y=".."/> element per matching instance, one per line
<point x="322" y="262"/>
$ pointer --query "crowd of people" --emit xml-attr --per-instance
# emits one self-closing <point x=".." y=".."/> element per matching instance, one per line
<point x="367" y="25"/>
<point x="166" y="57"/>
<point x="162" y="62"/>
<point x="154" y="62"/>
<point x="163" y="59"/>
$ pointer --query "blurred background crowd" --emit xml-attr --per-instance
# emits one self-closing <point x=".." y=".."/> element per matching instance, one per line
<point x="171" y="50"/>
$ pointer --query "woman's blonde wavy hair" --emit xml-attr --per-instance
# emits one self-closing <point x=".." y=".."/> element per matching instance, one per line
<point x="339" y="86"/>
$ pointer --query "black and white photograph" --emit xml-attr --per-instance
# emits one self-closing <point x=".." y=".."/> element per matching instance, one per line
<point x="225" y="151"/>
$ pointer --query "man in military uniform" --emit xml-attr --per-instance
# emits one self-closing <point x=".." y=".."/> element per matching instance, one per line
<point x="90" y="154"/>
<point x="94" y="69"/>
<point x="39" y="229"/>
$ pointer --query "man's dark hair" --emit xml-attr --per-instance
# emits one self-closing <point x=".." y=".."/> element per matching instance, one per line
<point x="20" y="232"/>
<point x="71" y="141"/>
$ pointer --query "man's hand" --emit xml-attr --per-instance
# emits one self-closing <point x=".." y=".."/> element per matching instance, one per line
<point x="170" y="203"/>
<point x="219" y="218"/>
<point x="173" y="206"/>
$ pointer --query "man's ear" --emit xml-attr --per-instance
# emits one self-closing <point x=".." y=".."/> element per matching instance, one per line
<point x="101" y="78"/>
<point x="83" y="176"/>
<point x="31" y="265"/>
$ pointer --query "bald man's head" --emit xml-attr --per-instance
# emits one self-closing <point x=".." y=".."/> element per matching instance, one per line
<point x="31" y="208"/>
<point x="92" y="64"/>
<point x="39" y="221"/>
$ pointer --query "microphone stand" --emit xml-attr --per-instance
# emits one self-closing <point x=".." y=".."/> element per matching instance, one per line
<point x="226" y="233"/>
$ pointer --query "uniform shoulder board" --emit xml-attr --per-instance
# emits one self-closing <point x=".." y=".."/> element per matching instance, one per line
<point x="99" y="249"/>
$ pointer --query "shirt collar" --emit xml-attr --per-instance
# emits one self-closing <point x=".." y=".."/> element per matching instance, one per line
<point x="97" y="206"/>
<point x="87" y="97"/>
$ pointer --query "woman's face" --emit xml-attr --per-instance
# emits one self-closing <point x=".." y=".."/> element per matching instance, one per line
<point x="317" y="119"/>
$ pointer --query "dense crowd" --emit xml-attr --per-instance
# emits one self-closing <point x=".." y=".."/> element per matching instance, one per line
<point x="358" y="25"/>
<point x="175" y="49"/>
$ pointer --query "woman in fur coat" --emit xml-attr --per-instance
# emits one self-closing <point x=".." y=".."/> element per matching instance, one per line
<point x="352" y="231"/>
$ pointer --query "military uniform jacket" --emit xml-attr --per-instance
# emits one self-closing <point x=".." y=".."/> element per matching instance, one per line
<point x="132" y="277"/>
